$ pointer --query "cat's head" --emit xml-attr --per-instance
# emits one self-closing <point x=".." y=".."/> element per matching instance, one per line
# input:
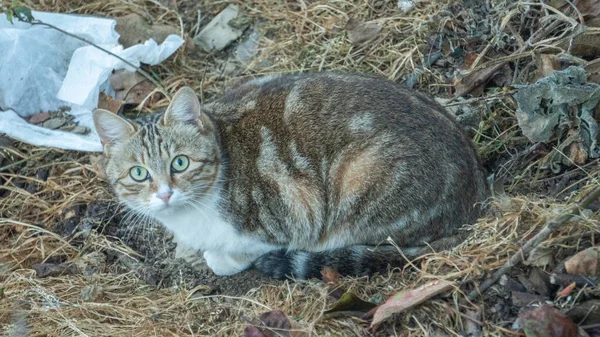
<point x="164" y="164"/>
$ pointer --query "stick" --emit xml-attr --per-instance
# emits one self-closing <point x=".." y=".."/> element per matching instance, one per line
<point x="550" y="227"/>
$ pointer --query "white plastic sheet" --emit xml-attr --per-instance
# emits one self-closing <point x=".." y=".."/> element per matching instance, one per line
<point x="42" y="69"/>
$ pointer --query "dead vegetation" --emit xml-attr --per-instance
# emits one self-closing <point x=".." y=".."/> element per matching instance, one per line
<point x="57" y="212"/>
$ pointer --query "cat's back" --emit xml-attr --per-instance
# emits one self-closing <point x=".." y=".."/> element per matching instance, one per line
<point x="320" y="113"/>
<point x="317" y="156"/>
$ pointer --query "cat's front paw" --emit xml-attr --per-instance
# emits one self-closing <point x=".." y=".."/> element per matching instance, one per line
<point x="223" y="264"/>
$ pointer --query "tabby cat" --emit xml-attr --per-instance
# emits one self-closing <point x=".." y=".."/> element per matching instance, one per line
<point x="292" y="173"/>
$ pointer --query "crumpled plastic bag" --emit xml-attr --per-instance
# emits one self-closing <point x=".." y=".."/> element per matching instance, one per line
<point x="558" y="105"/>
<point x="43" y="70"/>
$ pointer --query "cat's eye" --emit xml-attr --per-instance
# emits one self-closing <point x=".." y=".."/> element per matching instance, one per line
<point x="180" y="163"/>
<point x="138" y="173"/>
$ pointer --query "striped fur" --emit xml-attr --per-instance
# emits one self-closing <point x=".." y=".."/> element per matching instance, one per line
<point x="295" y="172"/>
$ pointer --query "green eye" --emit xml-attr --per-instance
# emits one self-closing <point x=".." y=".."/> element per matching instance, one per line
<point x="138" y="173"/>
<point x="180" y="163"/>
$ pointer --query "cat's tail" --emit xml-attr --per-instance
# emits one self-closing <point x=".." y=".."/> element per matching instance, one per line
<point x="350" y="261"/>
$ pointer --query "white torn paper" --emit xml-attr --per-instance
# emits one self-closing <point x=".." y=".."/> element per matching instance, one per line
<point x="43" y="70"/>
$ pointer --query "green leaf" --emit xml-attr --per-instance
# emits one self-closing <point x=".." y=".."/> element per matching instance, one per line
<point x="9" y="16"/>
<point x="23" y="13"/>
<point x="349" y="305"/>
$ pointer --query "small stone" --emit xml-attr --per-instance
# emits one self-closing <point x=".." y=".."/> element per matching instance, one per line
<point x="80" y="130"/>
<point x="248" y="49"/>
<point x="39" y="118"/>
<point x="91" y="293"/>
<point x="54" y="123"/>
<point x="53" y="269"/>
<point x="218" y="34"/>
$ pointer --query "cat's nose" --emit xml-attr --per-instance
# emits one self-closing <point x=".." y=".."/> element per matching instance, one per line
<point x="164" y="196"/>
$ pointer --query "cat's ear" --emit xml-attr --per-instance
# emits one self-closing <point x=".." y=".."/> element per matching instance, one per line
<point x="185" y="108"/>
<point x="111" y="128"/>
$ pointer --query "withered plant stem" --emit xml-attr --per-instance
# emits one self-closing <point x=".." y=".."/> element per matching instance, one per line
<point x="551" y="226"/>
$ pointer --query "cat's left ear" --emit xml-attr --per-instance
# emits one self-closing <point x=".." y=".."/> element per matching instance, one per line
<point x="185" y="108"/>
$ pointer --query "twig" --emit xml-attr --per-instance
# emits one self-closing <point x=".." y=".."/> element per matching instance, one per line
<point x="548" y="229"/>
<point x="139" y="69"/>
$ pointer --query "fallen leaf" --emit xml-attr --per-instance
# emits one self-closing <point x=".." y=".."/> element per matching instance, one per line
<point x="130" y="87"/>
<point x="546" y="64"/>
<point x="577" y="153"/>
<point x="407" y="299"/>
<point x="585" y="45"/>
<point x="134" y="29"/>
<point x="332" y="23"/>
<point x="541" y="256"/>
<point x="272" y="324"/>
<point x="361" y="33"/>
<point x="546" y="321"/>
<point x="521" y="299"/>
<point x="349" y="305"/>
<point x="585" y="313"/>
<point x="567" y="290"/>
<point x="108" y="103"/>
<point x="39" y="118"/>
<point x="592" y="70"/>
<point x="331" y="277"/>
<point x="586" y="262"/>
<point x="476" y="80"/>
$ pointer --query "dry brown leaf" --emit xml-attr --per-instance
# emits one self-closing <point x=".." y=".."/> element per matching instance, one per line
<point x="407" y="299"/>
<point x="332" y="278"/>
<point x="546" y="321"/>
<point x="476" y="80"/>
<point x="589" y="9"/>
<point x="108" y="103"/>
<point x="586" y="262"/>
<point x="39" y="118"/>
<point x="333" y="23"/>
<point x="577" y="153"/>
<point x="585" y="313"/>
<point x="273" y="324"/>
<point x="134" y="29"/>
<point x="592" y="70"/>
<point x="130" y="87"/>
<point x="541" y="256"/>
<point x="585" y="45"/>
<point x="546" y="65"/>
<point x="362" y="32"/>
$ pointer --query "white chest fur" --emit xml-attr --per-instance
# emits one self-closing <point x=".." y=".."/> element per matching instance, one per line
<point x="205" y="229"/>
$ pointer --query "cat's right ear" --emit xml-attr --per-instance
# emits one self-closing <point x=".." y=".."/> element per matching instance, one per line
<point x="111" y="128"/>
<point x="185" y="108"/>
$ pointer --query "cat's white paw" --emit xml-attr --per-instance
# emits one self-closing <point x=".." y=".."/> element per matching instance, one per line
<point x="223" y="264"/>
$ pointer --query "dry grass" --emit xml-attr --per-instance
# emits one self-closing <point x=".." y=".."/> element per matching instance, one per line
<point x="302" y="36"/>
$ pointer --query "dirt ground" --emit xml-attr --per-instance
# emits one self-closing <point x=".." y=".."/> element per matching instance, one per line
<point x="73" y="262"/>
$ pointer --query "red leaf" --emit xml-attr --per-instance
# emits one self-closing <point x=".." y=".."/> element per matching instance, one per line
<point x="586" y="262"/>
<point x="407" y="299"/>
<point x="546" y="321"/>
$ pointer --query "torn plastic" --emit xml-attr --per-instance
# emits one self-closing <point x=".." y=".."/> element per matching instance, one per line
<point x="556" y="104"/>
<point x="43" y="70"/>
